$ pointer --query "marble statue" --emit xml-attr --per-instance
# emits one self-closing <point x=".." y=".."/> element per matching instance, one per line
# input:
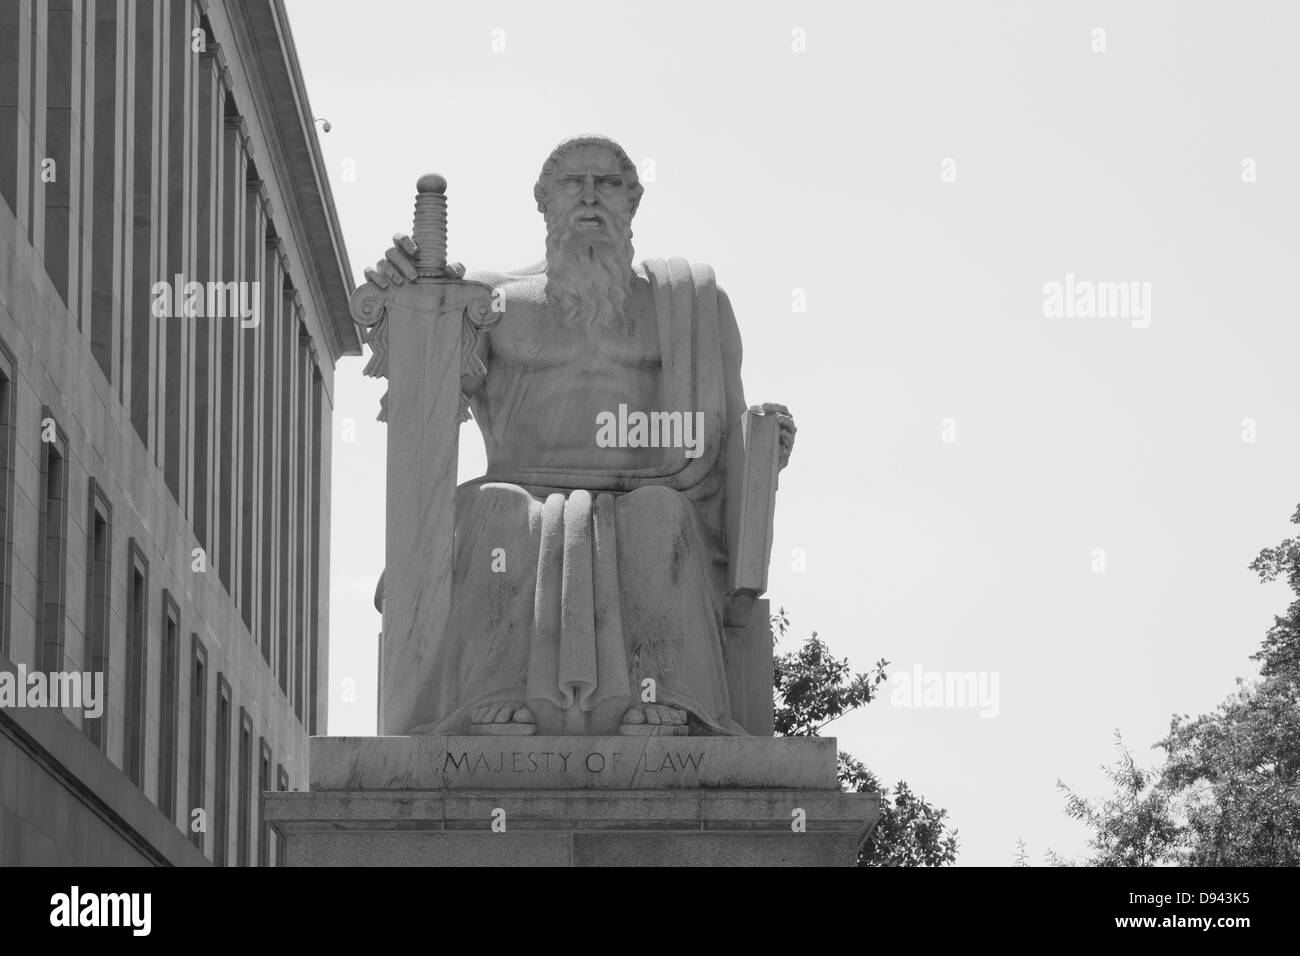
<point x="592" y="568"/>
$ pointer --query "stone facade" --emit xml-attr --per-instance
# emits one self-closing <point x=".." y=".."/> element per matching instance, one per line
<point x="164" y="480"/>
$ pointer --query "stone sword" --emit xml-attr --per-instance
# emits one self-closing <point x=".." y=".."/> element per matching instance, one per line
<point x="427" y="324"/>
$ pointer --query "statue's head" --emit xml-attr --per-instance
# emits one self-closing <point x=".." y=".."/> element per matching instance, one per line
<point x="588" y="191"/>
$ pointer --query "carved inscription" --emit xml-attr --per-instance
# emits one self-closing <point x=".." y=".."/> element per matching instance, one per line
<point x="558" y="761"/>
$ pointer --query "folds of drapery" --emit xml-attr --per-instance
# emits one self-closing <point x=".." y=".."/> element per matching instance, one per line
<point x="569" y="602"/>
<point x="577" y="653"/>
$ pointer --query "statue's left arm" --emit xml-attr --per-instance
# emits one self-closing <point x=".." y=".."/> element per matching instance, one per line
<point x="739" y="604"/>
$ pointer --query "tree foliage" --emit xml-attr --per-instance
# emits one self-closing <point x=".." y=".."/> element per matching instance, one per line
<point x="812" y="688"/>
<point x="1228" y="793"/>
<point x="1134" y="826"/>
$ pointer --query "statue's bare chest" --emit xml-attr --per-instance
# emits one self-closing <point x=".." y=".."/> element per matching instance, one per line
<point x="532" y="336"/>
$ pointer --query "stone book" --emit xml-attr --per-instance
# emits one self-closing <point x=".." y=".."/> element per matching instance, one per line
<point x="753" y="545"/>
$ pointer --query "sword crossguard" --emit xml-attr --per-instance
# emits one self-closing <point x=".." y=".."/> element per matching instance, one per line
<point x="368" y="304"/>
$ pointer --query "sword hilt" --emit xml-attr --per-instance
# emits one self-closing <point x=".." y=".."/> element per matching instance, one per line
<point x="430" y="227"/>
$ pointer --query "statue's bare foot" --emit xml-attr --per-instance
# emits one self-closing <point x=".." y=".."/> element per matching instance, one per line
<point x="506" y="718"/>
<point x="652" y="719"/>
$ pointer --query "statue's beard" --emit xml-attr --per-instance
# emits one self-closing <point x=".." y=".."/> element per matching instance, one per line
<point x="588" y="271"/>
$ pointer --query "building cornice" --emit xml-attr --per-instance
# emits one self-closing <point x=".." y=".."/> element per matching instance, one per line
<point x="292" y="149"/>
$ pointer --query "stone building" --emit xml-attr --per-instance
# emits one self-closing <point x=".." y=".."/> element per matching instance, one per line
<point x="173" y="300"/>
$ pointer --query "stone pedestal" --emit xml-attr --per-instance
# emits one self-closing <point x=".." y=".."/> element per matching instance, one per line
<point x="572" y="801"/>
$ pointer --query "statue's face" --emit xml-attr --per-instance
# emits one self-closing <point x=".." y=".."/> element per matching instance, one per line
<point x="589" y="199"/>
<point x="588" y="237"/>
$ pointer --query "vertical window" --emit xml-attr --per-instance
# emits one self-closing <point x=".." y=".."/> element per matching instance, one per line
<point x="7" y="392"/>
<point x="302" y="427"/>
<point x="221" y="808"/>
<point x="103" y="308"/>
<point x="168" y="706"/>
<point x="245" y="838"/>
<point x="11" y="38"/>
<point x="53" y="536"/>
<point x="226" y="524"/>
<point x="249" y="502"/>
<point x="99" y="548"/>
<point x="285" y="549"/>
<point x="198" y="780"/>
<point x="281" y="784"/>
<point x="137" y="662"/>
<point x="313" y="553"/>
<point x="142" y="220"/>
<point x="173" y="195"/>
<point x="59" y="146"/>
<point x="263" y="785"/>
<point x="206" y="207"/>
<point x="270" y="322"/>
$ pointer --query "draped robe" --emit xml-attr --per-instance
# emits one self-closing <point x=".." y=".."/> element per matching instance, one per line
<point x="573" y="585"/>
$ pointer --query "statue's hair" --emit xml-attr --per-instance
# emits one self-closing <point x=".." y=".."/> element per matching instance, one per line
<point x="634" y="188"/>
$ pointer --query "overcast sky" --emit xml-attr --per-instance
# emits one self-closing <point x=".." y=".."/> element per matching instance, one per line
<point x="823" y="169"/>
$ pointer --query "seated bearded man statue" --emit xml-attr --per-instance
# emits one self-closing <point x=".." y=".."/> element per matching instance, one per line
<point x="590" y="576"/>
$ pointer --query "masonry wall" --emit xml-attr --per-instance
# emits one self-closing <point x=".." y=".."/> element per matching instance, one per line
<point x="182" y="423"/>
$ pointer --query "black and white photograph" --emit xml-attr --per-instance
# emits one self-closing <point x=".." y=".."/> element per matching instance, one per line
<point x="745" y="433"/>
